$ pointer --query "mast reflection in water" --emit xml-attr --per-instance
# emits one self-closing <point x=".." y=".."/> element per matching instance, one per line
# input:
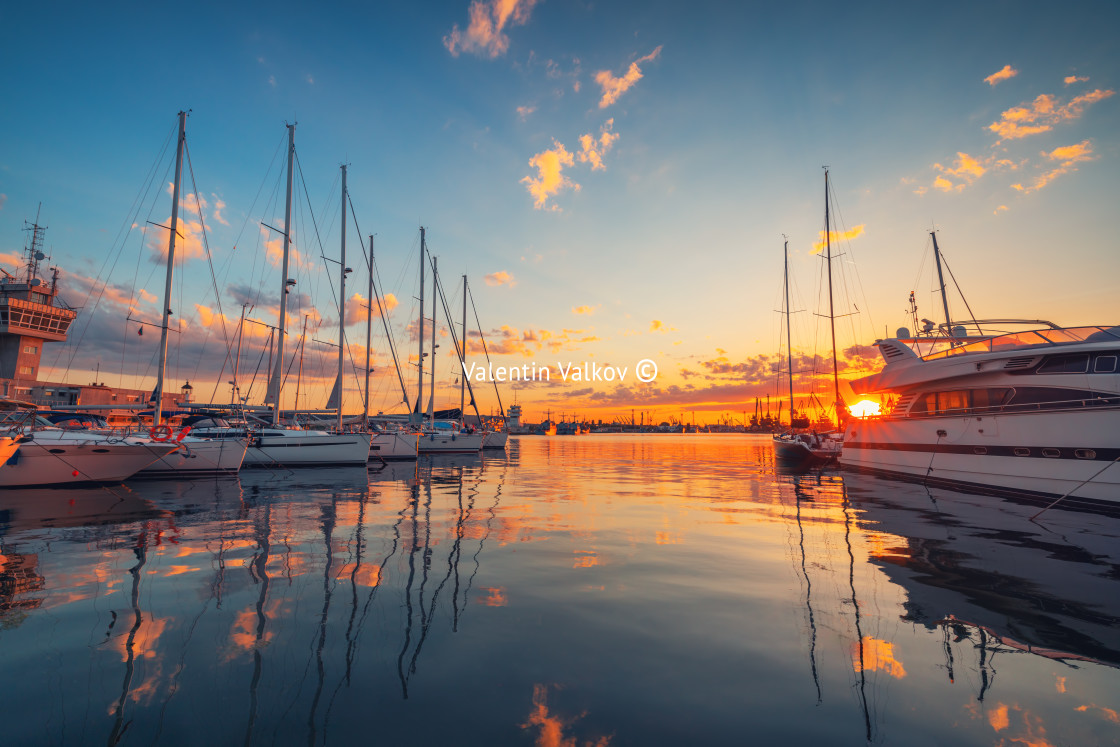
<point x="598" y="590"/>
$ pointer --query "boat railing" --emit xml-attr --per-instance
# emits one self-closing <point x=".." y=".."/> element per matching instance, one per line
<point x="1029" y="339"/>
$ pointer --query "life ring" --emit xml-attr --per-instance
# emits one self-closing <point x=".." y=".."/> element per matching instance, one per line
<point x="183" y="432"/>
<point x="160" y="432"/>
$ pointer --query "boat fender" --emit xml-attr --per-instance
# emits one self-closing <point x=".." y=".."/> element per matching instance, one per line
<point x="183" y="432"/>
<point x="160" y="432"/>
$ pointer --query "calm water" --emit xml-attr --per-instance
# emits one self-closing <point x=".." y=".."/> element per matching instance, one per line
<point x="591" y="590"/>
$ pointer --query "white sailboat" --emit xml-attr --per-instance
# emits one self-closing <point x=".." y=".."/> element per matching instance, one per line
<point x="197" y="456"/>
<point x="48" y="455"/>
<point x="275" y="445"/>
<point x="387" y="444"/>
<point x="438" y="436"/>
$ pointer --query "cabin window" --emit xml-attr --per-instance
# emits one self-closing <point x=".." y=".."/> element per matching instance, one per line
<point x="1073" y="363"/>
<point x="1085" y="454"/>
<point x="949" y="403"/>
<point x="1105" y="364"/>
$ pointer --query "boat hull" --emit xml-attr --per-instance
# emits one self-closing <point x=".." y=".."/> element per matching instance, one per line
<point x="496" y="440"/>
<point x="308" y="449"/>
<point x="68" y="458"/>
<point x="451" y="443"/>
<point x="393" y="447"/>
<point x="200" y="457"/>
<point x="1029" y="454"/>
<point x="792" y="453"/>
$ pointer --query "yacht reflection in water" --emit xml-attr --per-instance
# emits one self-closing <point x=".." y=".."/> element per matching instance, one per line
<point x="984" y="573"/>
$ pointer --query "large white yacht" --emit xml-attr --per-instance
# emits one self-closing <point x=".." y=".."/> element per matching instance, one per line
<point x="1033" y="414"/>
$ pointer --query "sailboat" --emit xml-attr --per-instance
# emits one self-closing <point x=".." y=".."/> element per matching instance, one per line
<point x="387" y="443"/>
<point x="801" y="450"/>
<point x="48" y="455"/>
<point x="274" y="444"/>
<point x="496" y="438"/>
<point x="438" y="436"/>
<point x="198" y="456"/>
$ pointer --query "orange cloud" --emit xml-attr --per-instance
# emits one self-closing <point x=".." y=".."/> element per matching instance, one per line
<point x="500" y="277"/>
<point x="1071" y="79"/>
<point x="966" y="169"/>
<point x="525" y="111"/>
<point x="1002" y="75"/>
<point x="206" y="316"/>
<point x="1067" y="157"/>
<point x="550" y="179"/>
<point x="835" y="236"/>
<point x="659" y="326"/>
<point x="614" y="87"/>
<point x="592" y="150"/>
<point x="999" y="209"/>
<point x="588" y="310"/>
<point x="484" y="35"/>
<point x="1042" y="114"/>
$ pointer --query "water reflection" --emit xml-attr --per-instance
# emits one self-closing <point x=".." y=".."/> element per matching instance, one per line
<point x="592" y="590"/>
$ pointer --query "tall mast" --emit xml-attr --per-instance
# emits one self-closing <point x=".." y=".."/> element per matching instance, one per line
<point x="343" y="269"/>
<point x="237" y="359"/>
<point x="435" y="293"/>
<point x="276" y="384"/>
<point x="941" y="282"/>
<point x="831" y="312"/>
<point x="420" y="357"/>
<point x="157" y="417"/>
<point x="302" y="346"/>
<point x="369" y="323"/>
<point x="789" y="344"/>
<point x="463" y="356"/>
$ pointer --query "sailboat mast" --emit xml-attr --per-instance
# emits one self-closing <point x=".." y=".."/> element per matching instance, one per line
<point x="789" y="343"/>
<point x="831" y="312"/>
<point x="236" y="399"/>
<point x="941" y="282"/>
<point x="463" y="356"/>
<point x="157" y="417"/>
<point x="302" y="347"/>
<point x="369" y="325"/>
<point x="435" y="293"/>
<point x="420" y="357"/>
<point x="276" y="384"/>
<point x="342" y="269"/>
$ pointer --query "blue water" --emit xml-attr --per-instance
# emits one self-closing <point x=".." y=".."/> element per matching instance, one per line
<point x="590" y="590"/>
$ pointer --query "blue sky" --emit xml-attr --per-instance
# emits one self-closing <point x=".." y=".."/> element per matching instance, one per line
<point x="671" y="249"/>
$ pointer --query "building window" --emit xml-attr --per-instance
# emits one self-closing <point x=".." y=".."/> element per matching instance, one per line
<point x="32" y="349"/>
<point x="26" y="370"/>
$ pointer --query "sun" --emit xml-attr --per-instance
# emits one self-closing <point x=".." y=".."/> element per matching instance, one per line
<point x="864" y="409"/>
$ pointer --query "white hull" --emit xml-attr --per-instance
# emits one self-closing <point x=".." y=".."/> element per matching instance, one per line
<point x="64" y="458"/>
<point x="1058" y="453"/>
<point x="496" y="440"/>
<point x="198" y="457"/>
<point x="393" y="446"/>
<point x="451" y="443"/>
<point x="307" y="449"/>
